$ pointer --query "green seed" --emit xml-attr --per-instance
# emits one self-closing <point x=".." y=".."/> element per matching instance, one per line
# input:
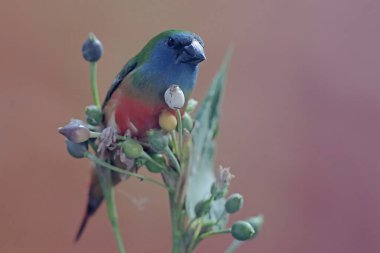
<point x="132" y="148"/>
<point x="154" y="167"/>
<point x="242" y="230"/>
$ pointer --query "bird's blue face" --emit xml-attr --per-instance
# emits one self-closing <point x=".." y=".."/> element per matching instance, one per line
<point x="174" y="59"/>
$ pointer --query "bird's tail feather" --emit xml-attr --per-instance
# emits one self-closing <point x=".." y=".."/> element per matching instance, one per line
<point x="94" y="201"/>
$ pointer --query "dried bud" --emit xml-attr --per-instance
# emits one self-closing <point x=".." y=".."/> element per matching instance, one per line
<point x="257" y="223"/>
<point x="174" y="97"/>
<point x="201" y="208"/>
<point x="132" y="148"/>
<point x="92" y="49"/>
<point x="224" y="177"/>
<point x="187" y="121"/>
<point x="76" y="150"/>
<point x="76" y="131"/>
<point x="234" y="203"/>
<point x="154" y="166"/>
<point x="167" y="121"/>
<point x="94" y="115"/>
<point x="242" y="230"/>
<point x="158" y="141"/>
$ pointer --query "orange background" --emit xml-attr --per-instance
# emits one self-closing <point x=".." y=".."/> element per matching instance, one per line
<point x="300" y="124"/>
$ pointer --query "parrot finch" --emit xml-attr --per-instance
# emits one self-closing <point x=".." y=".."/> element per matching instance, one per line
<point x="136" y="96"/>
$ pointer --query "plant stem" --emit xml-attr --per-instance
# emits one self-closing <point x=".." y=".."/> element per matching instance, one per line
<point x="93" y="82"/>
<point x="211" y="233"/>
<point x="174" y="142"/>
<point x="116" y="169"/>
<point x="172" y="158"/>
<point x="176" y="232"/>
<point x="180" y="133"/>
<point x="109" y="196"/>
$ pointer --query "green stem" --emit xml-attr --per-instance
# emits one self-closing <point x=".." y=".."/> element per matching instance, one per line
<point x="233" y="246"/>
<point x="172" y="158"/>
<point x="197" y="231"/>
<point x="93" y="82"/>
<point x="175" y="220"/>
<point x="211" y="233"/>
<point x="116" y="169"/>
<point x="174" y="142"/>
<point x="109" y="197"/>
<point x="180" y="133"/>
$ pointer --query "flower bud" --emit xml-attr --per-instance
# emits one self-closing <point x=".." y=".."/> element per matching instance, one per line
<point x="234" y="203"/>
<point x="257" y="223"/>
<point x="242" y="230"/>
<point x="218" y="192"/>
<point x="187" y="121"/>
<point x="202" y="208"/>
<point x="167" y="121"/>
<point x="92" y="49"/>
<point x="158" y="141"/>
<point x="191" y="105"/>
<point x="152" y="166"/>
<point x="76" y="131"/>
<point x="174" y="97"/>
<point x="76" y="150"/>
<point x="94" y="115"/>
<point x="132" y="148"/>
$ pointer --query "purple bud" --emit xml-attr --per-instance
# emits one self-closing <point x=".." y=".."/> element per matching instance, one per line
<point x="76" y="150"/>
<point x="76" y="131"/>
<point x="92" y="49"/>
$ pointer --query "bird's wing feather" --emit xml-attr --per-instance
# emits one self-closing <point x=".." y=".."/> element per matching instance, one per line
<point x="128" y="67"/>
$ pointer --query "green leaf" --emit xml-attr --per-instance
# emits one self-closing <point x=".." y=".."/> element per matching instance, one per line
<point x="201" y="167"/>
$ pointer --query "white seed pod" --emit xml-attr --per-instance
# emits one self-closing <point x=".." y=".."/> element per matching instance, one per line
<point x="174" y="97"/>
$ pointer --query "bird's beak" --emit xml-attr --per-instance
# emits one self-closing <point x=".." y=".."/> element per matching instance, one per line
<point x="192" y="54"/>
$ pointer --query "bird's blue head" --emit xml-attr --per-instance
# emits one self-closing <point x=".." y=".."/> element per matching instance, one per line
<point x="172" y="57"/>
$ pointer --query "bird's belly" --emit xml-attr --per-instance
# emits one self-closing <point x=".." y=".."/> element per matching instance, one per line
<point x="136" y="115"/>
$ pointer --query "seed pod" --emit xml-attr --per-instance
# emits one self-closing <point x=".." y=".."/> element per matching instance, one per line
<point x="132" y="148"/>
<point x="202" y="208"/>
<point x="242" y="230"/>
<point x="94" y="115"/>
<point x="187" y="122"/>
<point x="158" y="141"/>
<point x="76" y="131"/>
<point x="76" y="150"/>
<point x="153" y="167"/>
<point x="167" y="121"/>
<point x="174" y="97"/>
<point x="234" y="203"/>
<point x="92" y="49"/>
<point x="257" y="223"/>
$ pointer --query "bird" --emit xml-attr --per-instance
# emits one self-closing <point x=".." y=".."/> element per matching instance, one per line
<point x="135" y="98"/>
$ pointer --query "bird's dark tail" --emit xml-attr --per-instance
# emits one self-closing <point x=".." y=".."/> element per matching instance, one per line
<point x="91" y="209"/>
<point x="95" y="198"/>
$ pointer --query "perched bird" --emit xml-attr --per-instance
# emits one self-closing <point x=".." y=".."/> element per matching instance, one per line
<point x="136" y="96"/>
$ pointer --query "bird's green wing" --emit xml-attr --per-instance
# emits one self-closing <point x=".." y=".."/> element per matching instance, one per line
<point x="128" y="67"/>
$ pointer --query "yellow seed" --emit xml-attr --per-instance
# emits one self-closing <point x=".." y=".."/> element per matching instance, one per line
<point x="167" y="121"/>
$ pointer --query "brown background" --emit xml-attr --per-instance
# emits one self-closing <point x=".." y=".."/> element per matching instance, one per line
<point x="300" y="125"/>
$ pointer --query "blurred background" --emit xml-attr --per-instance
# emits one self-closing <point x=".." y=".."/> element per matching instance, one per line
<point x="300" y="124"/>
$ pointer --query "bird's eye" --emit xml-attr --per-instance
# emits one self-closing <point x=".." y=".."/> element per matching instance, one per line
<point x="171" y="42"/>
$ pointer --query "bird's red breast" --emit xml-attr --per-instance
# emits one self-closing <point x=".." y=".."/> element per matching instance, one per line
<point x="134" y="113"/>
